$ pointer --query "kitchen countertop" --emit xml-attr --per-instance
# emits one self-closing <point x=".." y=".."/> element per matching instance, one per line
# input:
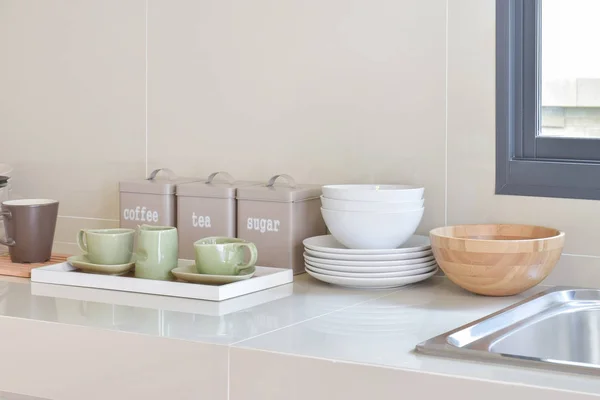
<point x="307" y="318"/>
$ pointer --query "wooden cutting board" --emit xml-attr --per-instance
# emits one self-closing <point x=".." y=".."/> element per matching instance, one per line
<point x="10" y="268"/>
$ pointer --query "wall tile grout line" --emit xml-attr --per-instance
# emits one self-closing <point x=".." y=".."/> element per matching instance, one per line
<point x="580" y="255"/>
<point x="146" y="86"/>
<point x="88" y="218"/>
<point x="446" y="119"/>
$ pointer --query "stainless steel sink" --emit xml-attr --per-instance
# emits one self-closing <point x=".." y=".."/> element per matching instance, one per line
<point x="557" y="329"/>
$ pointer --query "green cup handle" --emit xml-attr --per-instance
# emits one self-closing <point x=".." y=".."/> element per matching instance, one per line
<point x="253" y="255"/>
<point x="81" y="242"/>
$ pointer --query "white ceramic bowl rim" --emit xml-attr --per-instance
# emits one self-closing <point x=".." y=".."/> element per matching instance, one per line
<point x="374" y="187"/>
<point x="372" y="202"/>
<point x="532" y="240"/>
<point x="414" y="210"/>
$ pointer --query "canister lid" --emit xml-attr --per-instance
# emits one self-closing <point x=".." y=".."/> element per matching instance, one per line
<point x="154" y="184"/>
<point x="287" y="191"/>
<point x="222" y="189"/>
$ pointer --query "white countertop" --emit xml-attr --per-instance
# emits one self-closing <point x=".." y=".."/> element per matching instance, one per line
<point x="306" y="318"/>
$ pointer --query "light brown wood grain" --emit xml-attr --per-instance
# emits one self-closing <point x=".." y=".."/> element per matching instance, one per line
<point x="496" y="260"/>
<point x="7" y="267"/>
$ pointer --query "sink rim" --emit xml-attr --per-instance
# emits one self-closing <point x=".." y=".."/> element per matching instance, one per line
<point x="462" y="343"/>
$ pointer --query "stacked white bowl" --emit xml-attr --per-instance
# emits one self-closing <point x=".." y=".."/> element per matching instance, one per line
<point x="372" y="242"/>
<point x="372" y="216"/>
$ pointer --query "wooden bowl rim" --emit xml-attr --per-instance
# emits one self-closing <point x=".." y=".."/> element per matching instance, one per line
<point x="436" y="233"/>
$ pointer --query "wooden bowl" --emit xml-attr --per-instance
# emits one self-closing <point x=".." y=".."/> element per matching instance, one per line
<point x="496" y="260"/>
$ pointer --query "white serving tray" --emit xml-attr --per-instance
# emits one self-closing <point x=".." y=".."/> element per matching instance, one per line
<point x="65" y="274"/>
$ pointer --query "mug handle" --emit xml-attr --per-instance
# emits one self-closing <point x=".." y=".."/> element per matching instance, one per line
<point x="81" y="242"/>
<point x="6" y="214"/>
<point x="253" y="255"/>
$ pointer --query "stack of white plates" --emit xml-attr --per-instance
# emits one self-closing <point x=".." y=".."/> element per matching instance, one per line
<point x="329" y="261"/>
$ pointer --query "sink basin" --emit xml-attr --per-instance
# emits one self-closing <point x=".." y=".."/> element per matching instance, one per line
<point x="556" y="329"/>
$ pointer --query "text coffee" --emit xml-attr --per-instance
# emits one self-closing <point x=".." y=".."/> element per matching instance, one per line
<point x="140" y="214"/>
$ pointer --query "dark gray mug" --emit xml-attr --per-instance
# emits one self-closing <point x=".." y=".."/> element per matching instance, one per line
<point x="29" y="226"/>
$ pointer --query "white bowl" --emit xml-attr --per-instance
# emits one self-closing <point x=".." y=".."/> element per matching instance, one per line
<point x="382" y="230"/>
<point x="386" y="193"/>
<point x="370" y="206"/>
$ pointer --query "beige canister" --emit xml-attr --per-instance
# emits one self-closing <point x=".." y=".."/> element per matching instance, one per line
<point x="277" y="217"/>
<point x="150" y="201"/>
<point x="207" y="208"/>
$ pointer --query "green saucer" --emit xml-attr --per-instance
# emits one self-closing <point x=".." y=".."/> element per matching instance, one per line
<point x="82" y="263"/>
<point x="190" y="274"/>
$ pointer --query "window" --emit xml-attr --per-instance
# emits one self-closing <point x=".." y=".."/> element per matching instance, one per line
<point x="548" y="98"/>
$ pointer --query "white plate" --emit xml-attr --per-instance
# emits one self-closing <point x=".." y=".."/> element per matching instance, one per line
<point x="368" y="257"/>
<point x="412" y="272"/>
<point x="328" y="244"/>
<point x="346" y="263"/>
<point x="341" y="268"/>
<point x="371" y="283"/>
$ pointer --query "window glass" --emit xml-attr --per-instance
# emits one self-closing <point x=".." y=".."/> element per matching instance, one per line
<point x="570" y="68"/>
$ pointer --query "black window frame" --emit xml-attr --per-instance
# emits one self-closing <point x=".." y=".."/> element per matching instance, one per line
<point x="528" y="164"/>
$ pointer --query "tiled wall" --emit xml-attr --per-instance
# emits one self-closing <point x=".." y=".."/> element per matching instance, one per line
<point x="93" y="92"/>
<point x="72" y="104"/>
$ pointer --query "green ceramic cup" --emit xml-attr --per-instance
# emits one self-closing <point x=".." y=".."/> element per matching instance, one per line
<point x="106" y="246"/>
<point x="156" y="253"/>
<point x="223" y="255"/>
